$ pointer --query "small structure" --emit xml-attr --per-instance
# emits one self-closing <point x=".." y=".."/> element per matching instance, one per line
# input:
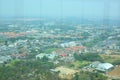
<point x="5" y="59"/>
<point x="64" y="55"/>
<point x="54" y="70"/>
<point x="40" y="56"/>
<point x="68" y="44"/>
<point x="56" y="62"/>
<point x="94" y="64"/>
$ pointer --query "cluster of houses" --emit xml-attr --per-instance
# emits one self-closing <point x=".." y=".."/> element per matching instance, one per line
<point x="66" y="54"/>
<point x="16" y="50"/>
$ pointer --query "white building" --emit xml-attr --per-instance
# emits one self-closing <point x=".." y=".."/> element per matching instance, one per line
<point x="68" y="44"/>
<point x="49" y="56"/>
<point x="104" y="67"/>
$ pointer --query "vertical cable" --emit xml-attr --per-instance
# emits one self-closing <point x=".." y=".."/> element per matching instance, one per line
<point x="1" y="13"/>
<point x="119" y="12"/>
<point x="40" y="13"/>
<point x="106" y="16"/>
<point x="19" y="9"/>
<point x="82" y="11"/>
<point x="61" y="11"/>
<point x="40" y="8"/>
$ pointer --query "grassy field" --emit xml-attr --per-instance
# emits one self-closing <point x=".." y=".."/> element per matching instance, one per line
<point x="80" y="64"/>
<point x="50" y="50"/>
<point x="110" y="58"/>
<point x="115" y="72"/>
<point x="66" y="73"/>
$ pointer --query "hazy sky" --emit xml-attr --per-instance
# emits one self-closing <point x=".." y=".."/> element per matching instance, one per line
<point x="60" y="8"/>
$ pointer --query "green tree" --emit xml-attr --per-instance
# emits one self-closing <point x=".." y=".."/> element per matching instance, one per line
<point x="88" y="57"/>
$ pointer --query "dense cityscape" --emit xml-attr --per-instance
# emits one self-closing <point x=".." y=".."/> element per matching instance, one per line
<point x="59" y="49"/>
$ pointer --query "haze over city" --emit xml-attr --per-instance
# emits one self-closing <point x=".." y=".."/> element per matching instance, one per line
<point x="102" y="9"/>
<point x="59" y="39"/>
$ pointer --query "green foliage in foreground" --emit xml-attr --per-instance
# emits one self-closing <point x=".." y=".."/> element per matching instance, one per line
<point x="27" y="70"/>
<point x="36" y="70"/>
<point x="89" y="76"/>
